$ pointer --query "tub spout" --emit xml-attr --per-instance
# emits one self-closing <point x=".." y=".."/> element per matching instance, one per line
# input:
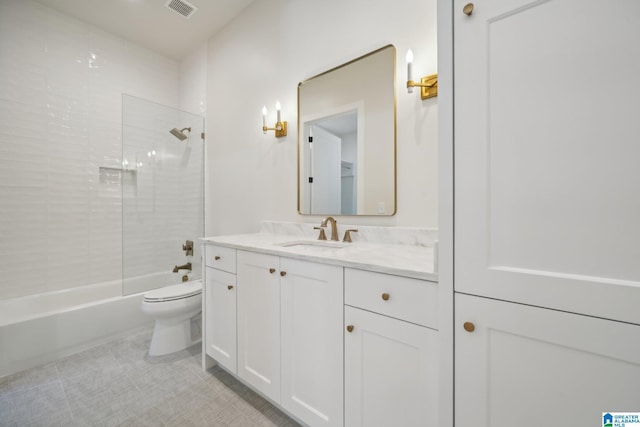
<point x="187" y="266"/>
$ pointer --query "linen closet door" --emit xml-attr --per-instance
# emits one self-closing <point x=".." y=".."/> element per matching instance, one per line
<point x="547" y="154"/>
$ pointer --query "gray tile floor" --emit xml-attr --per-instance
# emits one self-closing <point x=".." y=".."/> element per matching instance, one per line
<point x="118" y="384"/>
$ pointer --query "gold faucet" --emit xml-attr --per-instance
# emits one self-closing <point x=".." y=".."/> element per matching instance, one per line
<point x="334" y="227"/>
<point x="187" y="266"/>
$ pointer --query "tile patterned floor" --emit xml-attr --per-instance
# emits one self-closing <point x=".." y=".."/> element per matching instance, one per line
<point x="118" y="384"/>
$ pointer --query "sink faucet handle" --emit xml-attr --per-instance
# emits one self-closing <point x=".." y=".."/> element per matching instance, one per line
<point x="347" y="235"/>
<point x="322" y="236"/>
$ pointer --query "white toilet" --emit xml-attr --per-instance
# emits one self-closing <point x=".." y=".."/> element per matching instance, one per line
<point x="173" y="307"/>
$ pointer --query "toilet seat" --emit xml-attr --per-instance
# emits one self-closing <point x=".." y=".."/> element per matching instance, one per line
<point x="174" y="292"/>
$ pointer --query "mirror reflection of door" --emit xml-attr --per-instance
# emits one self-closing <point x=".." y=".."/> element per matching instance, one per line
<point x="325" y="186"/>
<point x="332" y="152"/>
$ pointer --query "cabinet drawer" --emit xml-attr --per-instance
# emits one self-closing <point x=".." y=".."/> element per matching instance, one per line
<point x="404" y="298"/>
<point x="221" y="258"/>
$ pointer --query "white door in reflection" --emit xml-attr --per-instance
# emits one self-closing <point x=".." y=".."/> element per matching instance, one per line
<point x="331" y="153"/>
<point x="325" y="188"/>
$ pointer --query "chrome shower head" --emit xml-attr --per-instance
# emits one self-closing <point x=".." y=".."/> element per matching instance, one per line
<point x="180" y="133"/>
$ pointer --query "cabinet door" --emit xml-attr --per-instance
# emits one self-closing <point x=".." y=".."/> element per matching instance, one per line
<point x="391" y="372"/>
<point x="546" y="159"/>
<point x="220" y="317"/>
<point x="259" y="322"/>
<point x="312" y="341"/>
<point x="530" y="367"/>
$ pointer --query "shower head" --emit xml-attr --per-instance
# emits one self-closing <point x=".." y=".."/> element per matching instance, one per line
<point x="180" y="133"/>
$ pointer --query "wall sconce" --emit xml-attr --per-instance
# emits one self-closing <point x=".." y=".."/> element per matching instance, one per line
<point x="428" y="85"/>
<point x="280" y="128"/>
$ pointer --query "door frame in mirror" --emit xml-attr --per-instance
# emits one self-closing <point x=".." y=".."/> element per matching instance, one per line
<point x="304" y="157"/>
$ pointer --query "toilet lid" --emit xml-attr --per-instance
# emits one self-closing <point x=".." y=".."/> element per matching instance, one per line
<point x="174" y="292"/>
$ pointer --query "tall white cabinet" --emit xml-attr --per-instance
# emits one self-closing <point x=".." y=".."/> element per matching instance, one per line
<point x="547" y="277"/>
<point x="524" y="365"/>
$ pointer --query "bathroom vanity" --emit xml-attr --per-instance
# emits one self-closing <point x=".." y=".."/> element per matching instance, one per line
<point x="333" y="333"/>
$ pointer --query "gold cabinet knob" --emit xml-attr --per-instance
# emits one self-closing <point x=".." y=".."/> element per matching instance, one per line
<point x="217" y="257"/>
<point x="283" y="273"/>
<point x="468" y="9"/>
<point x="469" y="327"/>
<point x="229" y="287"/>
<point x="272" y="270"/>
<point x="350" y="328"/>
<point x="385" y="296"/>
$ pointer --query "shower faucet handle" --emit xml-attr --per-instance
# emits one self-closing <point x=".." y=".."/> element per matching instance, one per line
<point x="187" y="247"/>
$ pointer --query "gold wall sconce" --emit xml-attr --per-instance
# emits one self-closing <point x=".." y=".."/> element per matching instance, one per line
<point x="280" y="127"/>
<point x="428" y="85"/>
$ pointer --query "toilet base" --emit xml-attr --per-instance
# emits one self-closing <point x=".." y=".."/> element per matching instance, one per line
<point x="169" y="337"/>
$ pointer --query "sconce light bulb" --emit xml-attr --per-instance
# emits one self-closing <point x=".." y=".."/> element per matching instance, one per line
<point x="409" y="71"/>
<point x="264" y="119"/>
<point x="278" y="108"/>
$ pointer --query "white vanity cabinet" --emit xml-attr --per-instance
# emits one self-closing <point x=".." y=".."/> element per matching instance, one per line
<point x="391" y="351"/>
<point x="278" y="323"/>
<point x="219" y="302"/>
<point x="290" y="334"/>
<point x="259" y="322"/>
<point x="311" y="307"/>
<point x="220" y="315"/>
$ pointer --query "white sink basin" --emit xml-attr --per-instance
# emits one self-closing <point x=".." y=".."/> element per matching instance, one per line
<point x="313" y="245"/>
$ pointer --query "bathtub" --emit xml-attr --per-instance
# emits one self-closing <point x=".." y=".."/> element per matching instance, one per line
<point x="37" y="329"/>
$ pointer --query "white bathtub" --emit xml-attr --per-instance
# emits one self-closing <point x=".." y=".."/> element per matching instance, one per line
<point x="37" y="329"/>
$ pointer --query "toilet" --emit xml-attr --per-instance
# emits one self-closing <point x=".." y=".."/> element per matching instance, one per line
<point x="173" y="307"/>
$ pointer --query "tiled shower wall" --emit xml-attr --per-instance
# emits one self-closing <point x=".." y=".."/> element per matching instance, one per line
<point x="61" y="86"/>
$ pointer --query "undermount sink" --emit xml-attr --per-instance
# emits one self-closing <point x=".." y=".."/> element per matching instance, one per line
<point x="313" y="244"/>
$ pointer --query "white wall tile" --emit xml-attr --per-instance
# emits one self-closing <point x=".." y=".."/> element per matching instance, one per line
<point x="61" y="86"/>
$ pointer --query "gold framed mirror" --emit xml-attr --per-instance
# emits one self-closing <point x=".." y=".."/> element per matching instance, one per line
<point x="347" y="138"/>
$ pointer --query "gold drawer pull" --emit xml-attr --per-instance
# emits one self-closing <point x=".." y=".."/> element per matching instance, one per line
<point x="350" y="328"/>
<point x="229" y="287"/>
<point x="217" y="257"/>
<point x="283" y="273"/>
<point x="469" y="327"/>
<point x="272" y="270"/>
<point x="468" y="9"/>
<point x="385" y="296"/>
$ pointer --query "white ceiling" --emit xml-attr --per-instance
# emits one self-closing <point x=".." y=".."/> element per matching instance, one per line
<point x="150" y="24"/>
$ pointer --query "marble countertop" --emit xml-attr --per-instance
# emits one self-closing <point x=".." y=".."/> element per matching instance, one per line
<point x="410" y="260"/>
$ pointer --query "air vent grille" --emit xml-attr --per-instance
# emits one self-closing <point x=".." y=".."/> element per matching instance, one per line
<point x="182" y="7"/>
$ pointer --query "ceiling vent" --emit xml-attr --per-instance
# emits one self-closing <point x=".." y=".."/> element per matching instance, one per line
<point x="182" y="7"/>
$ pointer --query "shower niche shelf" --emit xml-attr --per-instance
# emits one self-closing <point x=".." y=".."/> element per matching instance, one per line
<point x="117" y="176"/>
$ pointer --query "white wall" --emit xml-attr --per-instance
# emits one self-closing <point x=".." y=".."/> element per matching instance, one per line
<point x="261" y="57"/>
<point x="193" y="81"/>
<point x="61" y="85"/>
